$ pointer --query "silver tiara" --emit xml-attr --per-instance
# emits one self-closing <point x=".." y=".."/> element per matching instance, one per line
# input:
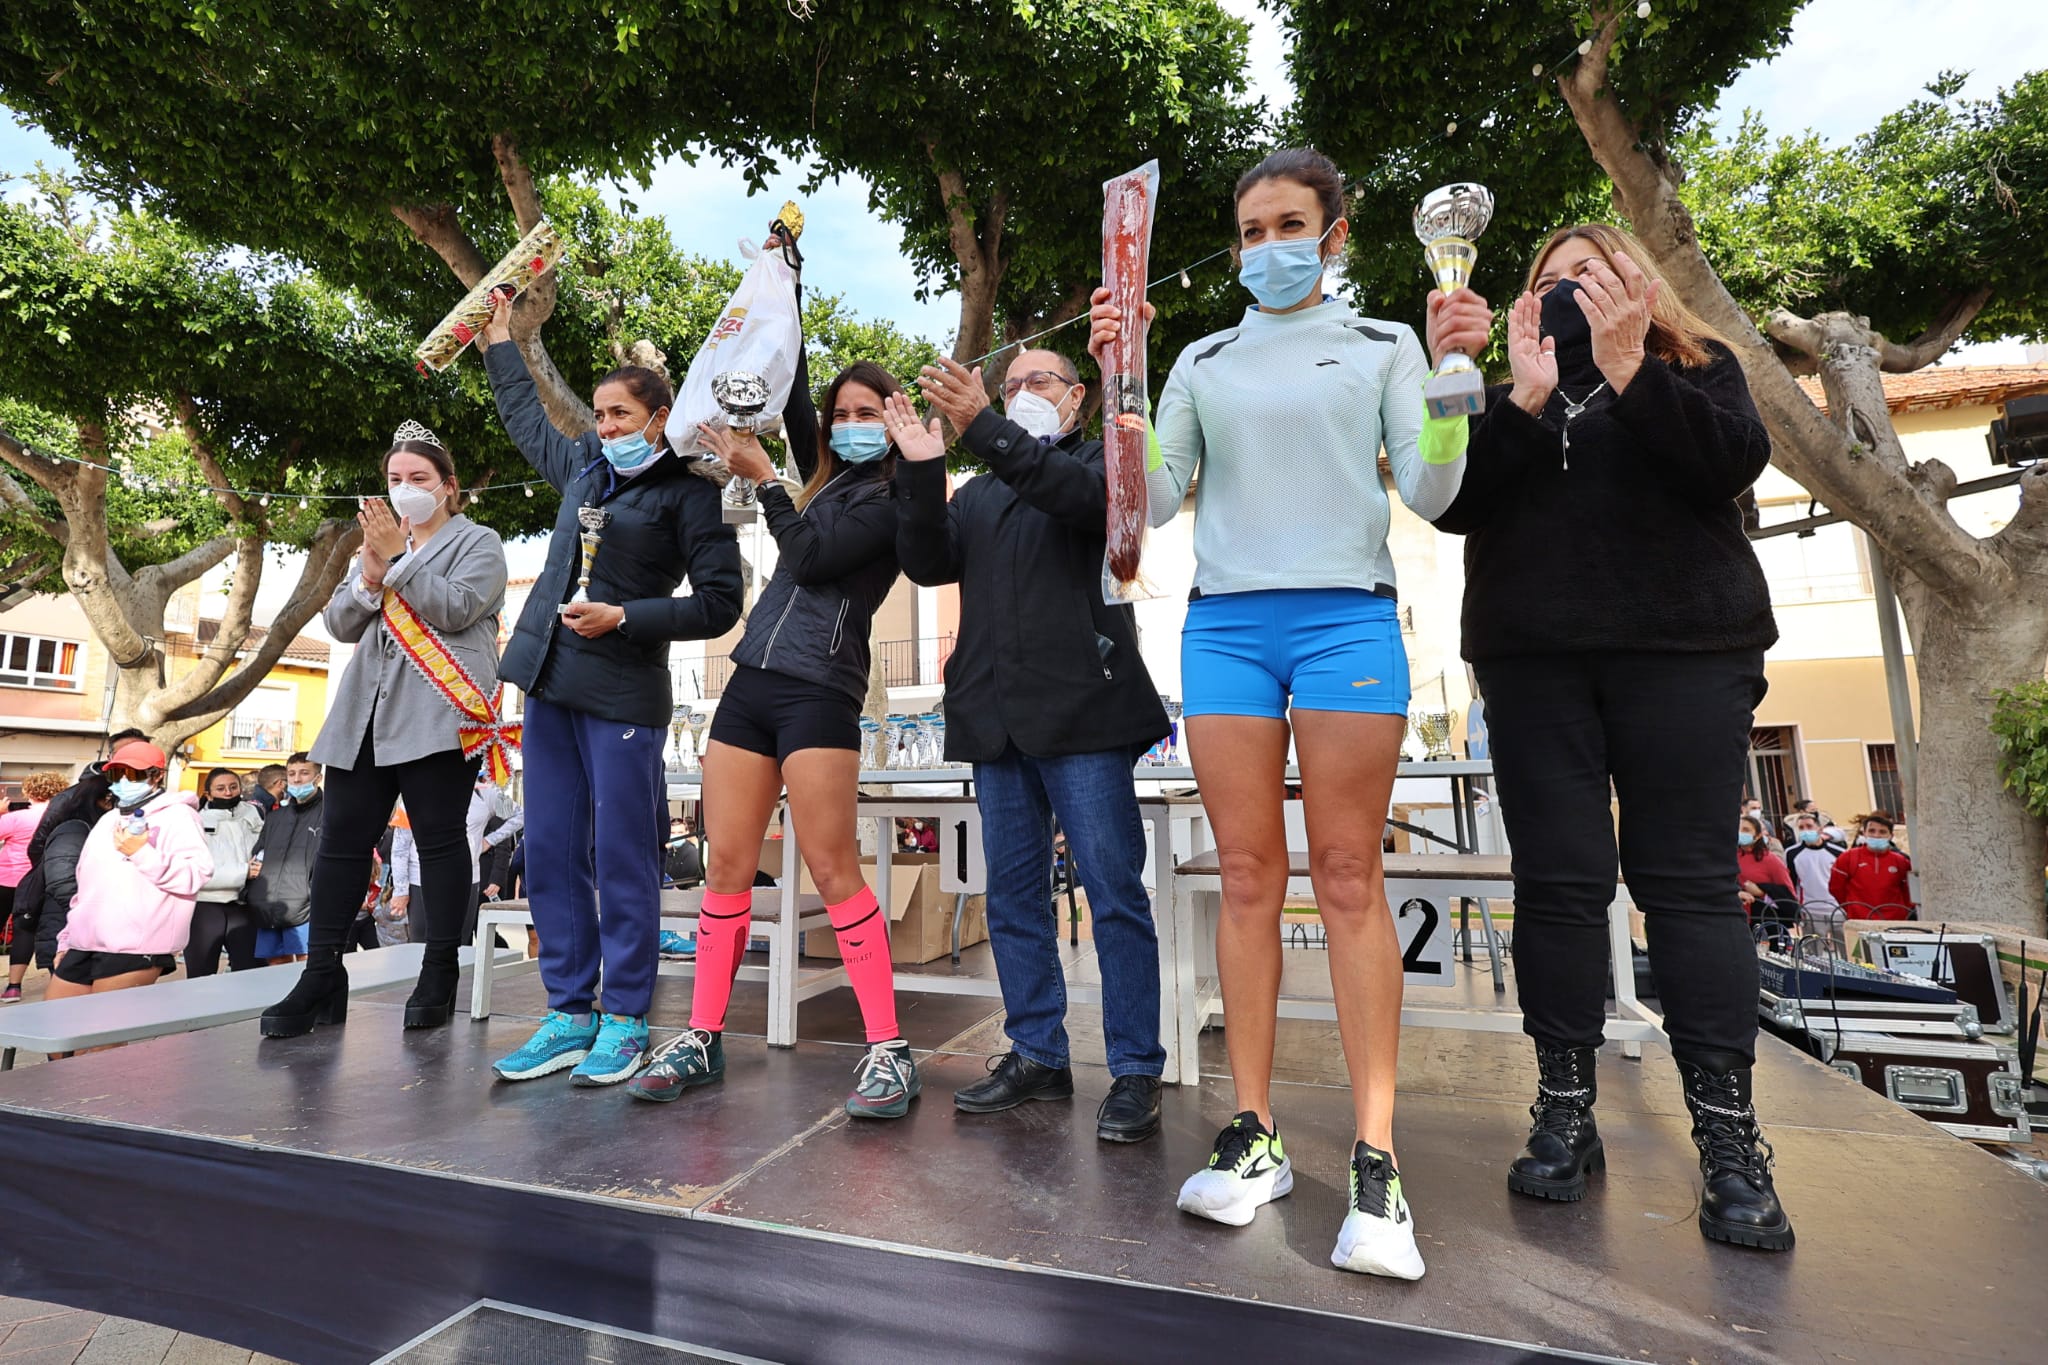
<point x="409" y="430"/>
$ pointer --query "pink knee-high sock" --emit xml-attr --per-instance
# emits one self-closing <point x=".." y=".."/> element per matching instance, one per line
<point x="722" y="926"/>
<point x="863" y="933"/>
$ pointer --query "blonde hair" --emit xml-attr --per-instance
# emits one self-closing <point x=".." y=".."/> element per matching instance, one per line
<point x="40" y="787"/>
<point x="1677" y="334"/>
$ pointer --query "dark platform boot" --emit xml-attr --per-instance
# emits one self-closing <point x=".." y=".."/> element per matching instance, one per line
<point x="319" y="997"/>
<point x="1563" y="1144"/>
<point x="432" y="1002"/>
<point x="1739" y="1204"/>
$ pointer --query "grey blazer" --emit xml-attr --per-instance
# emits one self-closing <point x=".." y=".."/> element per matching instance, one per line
<point x="457" y="585"/>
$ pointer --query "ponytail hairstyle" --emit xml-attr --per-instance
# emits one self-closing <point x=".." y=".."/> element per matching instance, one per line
<point x="1304" y="166"/>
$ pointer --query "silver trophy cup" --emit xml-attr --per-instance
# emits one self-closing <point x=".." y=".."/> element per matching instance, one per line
<point x="593" y="520"/>
<point x="1448" y="222"/>
<point x="1434" y="729"/>
<point x="741" y="397"/>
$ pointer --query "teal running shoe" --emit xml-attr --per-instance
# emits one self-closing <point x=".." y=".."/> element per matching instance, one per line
<point x="886" y="1082"/>
<point x="677" y="947"/>
<point x="619" y="1052"/>
<point x="559" y="1042"/>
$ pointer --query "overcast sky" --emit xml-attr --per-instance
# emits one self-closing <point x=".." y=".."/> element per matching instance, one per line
<point x="1849" y="63"/>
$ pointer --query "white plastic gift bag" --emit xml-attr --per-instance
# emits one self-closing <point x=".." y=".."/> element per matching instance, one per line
<point x="760" y="332"/>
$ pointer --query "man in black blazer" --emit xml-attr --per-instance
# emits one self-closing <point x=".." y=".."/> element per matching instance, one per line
<point x="1047" y="698"/>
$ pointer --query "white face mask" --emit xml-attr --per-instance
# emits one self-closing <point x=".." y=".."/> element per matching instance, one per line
<point x="419" y="504"/>
<point x="1036" y="415"/>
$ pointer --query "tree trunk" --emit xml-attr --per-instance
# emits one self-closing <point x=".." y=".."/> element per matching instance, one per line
<point x="1978" y="851"/>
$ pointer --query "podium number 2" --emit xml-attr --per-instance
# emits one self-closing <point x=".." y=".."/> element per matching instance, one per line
<point x="1412" y="960"/>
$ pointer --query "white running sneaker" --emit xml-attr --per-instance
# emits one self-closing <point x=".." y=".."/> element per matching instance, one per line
<point x="1248" y="1168"/>
<point x="1378" y="1237"/>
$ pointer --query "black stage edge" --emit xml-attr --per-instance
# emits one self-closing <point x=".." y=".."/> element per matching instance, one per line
<point x="333" y="1198"/>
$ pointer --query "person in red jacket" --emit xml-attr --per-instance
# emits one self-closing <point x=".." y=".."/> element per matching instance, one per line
<point x="1870" y="880"/>
<point x="1761" y="877"/>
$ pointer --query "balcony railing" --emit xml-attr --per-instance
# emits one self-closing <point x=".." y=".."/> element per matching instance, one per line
<point x="249" y="736"/>
<point x="901" y="660"/>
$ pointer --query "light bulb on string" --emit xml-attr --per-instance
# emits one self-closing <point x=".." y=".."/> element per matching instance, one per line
<point x="1585" y="47"/>
<point x="1536" y="70"/>
<point x="1643" y="10"/>
<point x="1185" y="282"/>
<point x="303" y="504"/>
<point x="1450" y="128"/>
<point x="529" y="490"/>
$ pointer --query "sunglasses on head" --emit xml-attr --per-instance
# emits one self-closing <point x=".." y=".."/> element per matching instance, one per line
<point x="121" y="772"/>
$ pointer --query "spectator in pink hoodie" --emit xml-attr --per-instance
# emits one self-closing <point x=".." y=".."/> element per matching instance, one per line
<point x="17" y="828"/>
<point x="140" y="871"/>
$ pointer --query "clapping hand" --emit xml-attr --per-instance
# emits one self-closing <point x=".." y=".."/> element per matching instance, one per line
<point x="737" y="451"/>
<point x="1531" y="355"/>
<point x="914" y="440"/>
<point x="1617" y="302"/>
<point x="954" y="390"/>
<point x="384" y="537"/>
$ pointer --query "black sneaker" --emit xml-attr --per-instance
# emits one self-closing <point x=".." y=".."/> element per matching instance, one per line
<point x="1014" y="1078"/>
<point x="1130" y="1112"/>
<point x="691" y="1058"/>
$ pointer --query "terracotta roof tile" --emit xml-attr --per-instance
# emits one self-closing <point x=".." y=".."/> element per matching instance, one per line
<point x="303" y="649"/>
<point x="1951" y="386"/>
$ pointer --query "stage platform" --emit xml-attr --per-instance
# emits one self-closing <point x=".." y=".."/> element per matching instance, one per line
<point x="339" y="1197"/>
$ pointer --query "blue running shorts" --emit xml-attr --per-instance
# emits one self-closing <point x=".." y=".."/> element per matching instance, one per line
<point x="1329" y="649"/>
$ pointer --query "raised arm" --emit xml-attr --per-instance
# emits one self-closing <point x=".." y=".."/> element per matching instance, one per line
<point x="927" y="524"/>
<point x="1427" y="455"/>
<point x="555" y="457"/>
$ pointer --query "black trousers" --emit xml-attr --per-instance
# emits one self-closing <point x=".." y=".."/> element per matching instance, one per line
<point x="23" y="948"/>
<point x="218" y="925"/>
<point x="1671" y="733"/>
<point x="359" y="802"/>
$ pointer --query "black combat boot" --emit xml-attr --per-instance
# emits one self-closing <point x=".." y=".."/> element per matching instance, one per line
<point x="1739" y="1204"/>
<point x="319" y="997"/>
<point x="1563" y="1144"/>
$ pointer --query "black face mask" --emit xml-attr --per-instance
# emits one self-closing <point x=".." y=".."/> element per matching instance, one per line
<point x="1563" y="320"/>
<point x="223" y="802"/>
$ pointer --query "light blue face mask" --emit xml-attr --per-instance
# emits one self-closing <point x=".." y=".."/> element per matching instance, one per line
<point x="629" y="452"/>
<point x="1745" y="838"/>
<point x="129" y="791"/>
<point x="301" y="793"/>
<point x="1878" y="845"/>
<point x="860" y="442"/>
<point x="1282" y="274"/>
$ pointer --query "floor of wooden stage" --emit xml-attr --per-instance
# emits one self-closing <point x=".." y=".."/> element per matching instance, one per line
<point x="1911" y="1243"/>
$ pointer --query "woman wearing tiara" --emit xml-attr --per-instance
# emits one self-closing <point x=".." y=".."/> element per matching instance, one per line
<point x="427" y="589"/>
<point x="596" y="679"/>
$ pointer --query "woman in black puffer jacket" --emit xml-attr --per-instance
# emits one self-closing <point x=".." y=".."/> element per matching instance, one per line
<point x="53" y="855"/>
<point x="790" y="717"/>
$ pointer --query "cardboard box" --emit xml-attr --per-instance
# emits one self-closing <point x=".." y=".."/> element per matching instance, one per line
<point x="920" y="915"/>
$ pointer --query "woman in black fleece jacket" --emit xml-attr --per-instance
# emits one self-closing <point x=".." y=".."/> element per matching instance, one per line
<point x="1617" y="620"/>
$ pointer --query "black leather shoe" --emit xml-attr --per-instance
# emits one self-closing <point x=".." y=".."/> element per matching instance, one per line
<point x="1130" y="1112"/>
<point x="1739" y="1204"/>
<point x="432" y="1002"/>
<point x="1563" y="1144"/>
<point x="1013" y="1079"/>
<point x="319" y="997"/>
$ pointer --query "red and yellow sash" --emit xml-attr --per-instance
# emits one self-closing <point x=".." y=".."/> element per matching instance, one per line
<point x="481" y="727"/>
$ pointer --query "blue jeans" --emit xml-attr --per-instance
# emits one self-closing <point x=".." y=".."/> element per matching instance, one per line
<point x="592" y="796"/>
<point x="1097" y="805"/>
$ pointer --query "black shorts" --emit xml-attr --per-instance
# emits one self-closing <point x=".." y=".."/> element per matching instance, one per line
<point x="776" y="715"/>
<point x="84" y="966"/>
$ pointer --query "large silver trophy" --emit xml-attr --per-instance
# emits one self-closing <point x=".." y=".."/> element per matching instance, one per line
<point x="593" y="520"/>
<point x="741" y="397"/>
<point x="1448" y="222"/>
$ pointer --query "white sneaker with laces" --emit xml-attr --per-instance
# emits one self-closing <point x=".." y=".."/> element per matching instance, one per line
<point x="1247" y="1168"/>
<point x="1378" y="1236"/>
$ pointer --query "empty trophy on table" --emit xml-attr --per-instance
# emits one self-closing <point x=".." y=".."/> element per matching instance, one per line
<point x="870" y="744"/>
<point x="678" y="721"/>
<point x="1434" y="729"/>
<point x="699" y="721"/>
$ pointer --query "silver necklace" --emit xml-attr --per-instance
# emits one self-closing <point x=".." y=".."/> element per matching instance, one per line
<point x="1572" y="410"/>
